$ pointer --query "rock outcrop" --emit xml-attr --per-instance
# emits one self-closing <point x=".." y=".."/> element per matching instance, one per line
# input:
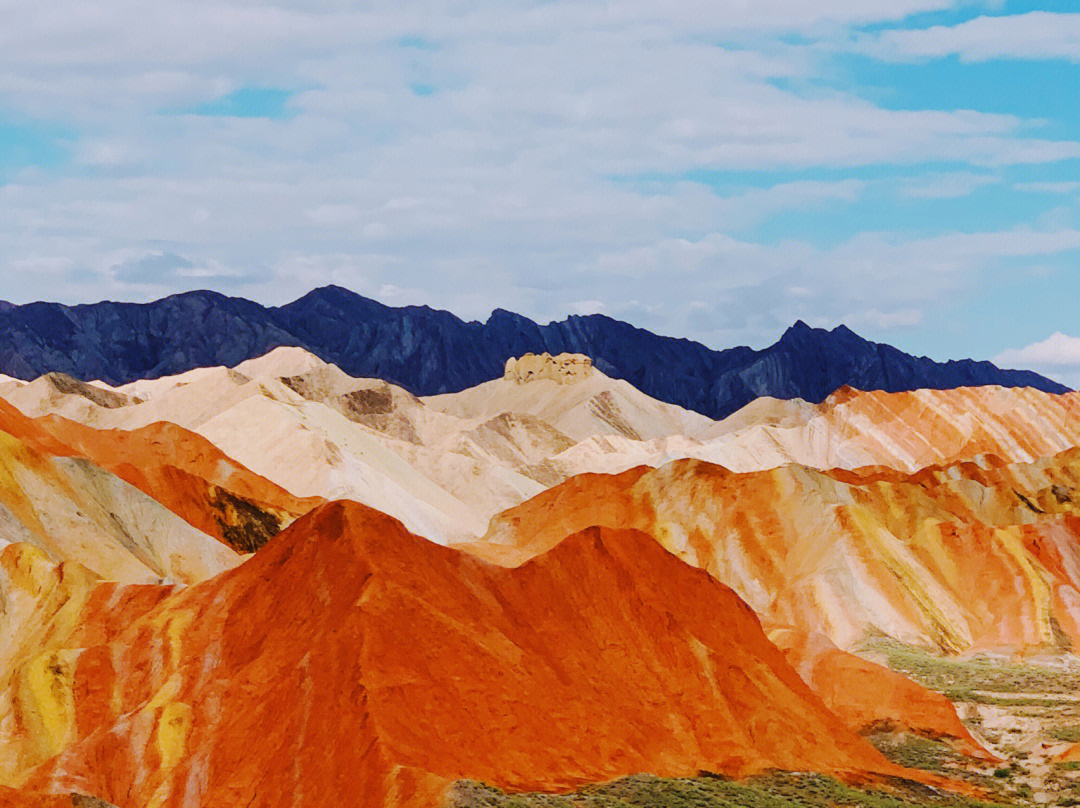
<point x="565" y="368"/>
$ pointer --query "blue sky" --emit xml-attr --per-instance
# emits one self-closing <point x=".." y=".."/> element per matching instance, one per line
<point x="704" y="169"/>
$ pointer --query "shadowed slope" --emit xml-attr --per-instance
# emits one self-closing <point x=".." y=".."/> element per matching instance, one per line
<point x="383" y="667"/>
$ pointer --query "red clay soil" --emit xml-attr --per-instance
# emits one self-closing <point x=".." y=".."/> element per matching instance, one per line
<point x="29" y="431"/>
<point x="12" y="798"/>
<point x="352" y="663"/>
<point x="1069" y="755"/>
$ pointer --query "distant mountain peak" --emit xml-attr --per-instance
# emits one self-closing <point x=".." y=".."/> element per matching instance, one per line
<point x="800" y="326"/>
<point x="334" y="295"/>
<point x="430" y="351"/>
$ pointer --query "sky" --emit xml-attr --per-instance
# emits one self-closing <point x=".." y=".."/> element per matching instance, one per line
<point x="714" y="170"/>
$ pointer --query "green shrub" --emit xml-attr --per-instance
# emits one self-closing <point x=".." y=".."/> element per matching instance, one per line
<point x="1067" y="733"/>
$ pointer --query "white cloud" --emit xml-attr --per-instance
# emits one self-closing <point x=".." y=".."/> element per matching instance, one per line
<point x="1057" y="356"/>
<point x="744" y="291"/>
<point x="875" y="318"/>
<point x="586" y="307"/>
<point x="1058" y="350"/>
<point x="513" y="183"/>
<point x="1035" y="35"/>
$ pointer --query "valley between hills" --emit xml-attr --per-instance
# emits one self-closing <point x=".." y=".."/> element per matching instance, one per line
<point x="277" y="584"/>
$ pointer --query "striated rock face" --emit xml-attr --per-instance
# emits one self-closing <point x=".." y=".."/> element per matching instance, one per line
<point x="181" y="470"/>
<point x="446" y="464"/>
<point x="46" y="605"/>
<point x="190" y="476"/>
<point x="565" y="368"/>
<point x="978" y="555"/>
<point x="352" y="663"/>
<point x="74" y="510"/>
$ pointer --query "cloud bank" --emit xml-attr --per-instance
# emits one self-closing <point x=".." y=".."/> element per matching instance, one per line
<point x="711" y="170"/>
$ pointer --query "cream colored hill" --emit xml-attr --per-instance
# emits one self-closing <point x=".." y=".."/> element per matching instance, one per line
<point x="580" y="405"/>
<point x="9" y="384"/>
<point x="765" y="412"/>
<point x="56" y="393"/>
<point x="318" y="432"/>
<point x="312" y="450"/>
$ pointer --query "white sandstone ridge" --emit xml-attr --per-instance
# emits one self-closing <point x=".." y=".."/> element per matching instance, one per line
<point x="566" y="368"/>
<point x="446" y="464"/>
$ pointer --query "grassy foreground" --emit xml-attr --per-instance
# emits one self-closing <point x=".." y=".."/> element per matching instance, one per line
<point x="778" y="790"/>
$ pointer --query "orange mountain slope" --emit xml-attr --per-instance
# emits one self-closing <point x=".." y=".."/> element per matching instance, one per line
<point x="190" y="476"/>
<point x="12" y="798"/>
<point x="978" y="555"/>
<point x="45" y="603"/>
<point x="178" y="468"/>
<point x="926" y="427"/>
<point x="375" y="668"/>
<point x="28" y="430"/>
<point x="74" y="510"/>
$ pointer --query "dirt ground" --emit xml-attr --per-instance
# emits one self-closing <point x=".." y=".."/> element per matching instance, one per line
<point x="1025" y="711"/>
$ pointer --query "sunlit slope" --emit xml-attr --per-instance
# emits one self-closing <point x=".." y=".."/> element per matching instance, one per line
<point x="871" y="698"/>
<point x="375" y="668"/>
<point x="310" y="429"/>
<point x="977" y="555"/>
<point x="47" y="604"/>
<point x="596" y="405"/>
<point x="906" y="431"/>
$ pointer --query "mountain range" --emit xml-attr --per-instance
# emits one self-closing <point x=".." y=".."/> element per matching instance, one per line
<point x="548" y="581"/>
<point x="428" y="352"/>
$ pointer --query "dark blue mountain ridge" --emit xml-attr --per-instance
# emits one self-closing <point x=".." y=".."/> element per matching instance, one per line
<point x="429" y="351"/>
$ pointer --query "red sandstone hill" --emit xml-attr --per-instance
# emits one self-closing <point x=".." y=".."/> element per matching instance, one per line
<point x="352" y="663"/>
